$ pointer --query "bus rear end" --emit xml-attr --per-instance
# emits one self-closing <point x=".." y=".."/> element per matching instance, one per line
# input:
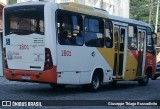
<point x="26" y="57"/>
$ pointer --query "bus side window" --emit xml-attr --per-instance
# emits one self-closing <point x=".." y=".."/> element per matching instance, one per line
<point x="94" y="32"/>
<point x="108" y="35"/>
<point x="122" y="37"/>
<point x="70" y="29"/>
<point x="77" y="28"/>
<point x="64" y="29"/>
<point x="150" y="42"/>
<point x="142" y="40"/>
<point x="116" y="35"/>
<point x="132" y="39"/>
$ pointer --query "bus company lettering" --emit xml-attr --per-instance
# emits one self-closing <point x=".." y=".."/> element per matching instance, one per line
<point x="16" y="55"/>
<point x="23" y="47"/>
<point x="66" y="53"/>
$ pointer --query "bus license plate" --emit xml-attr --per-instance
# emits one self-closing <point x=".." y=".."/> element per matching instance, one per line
<point x="25" y="77"/>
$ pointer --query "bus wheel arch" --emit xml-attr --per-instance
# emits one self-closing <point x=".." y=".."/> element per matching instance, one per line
<point x="96" y="79"/>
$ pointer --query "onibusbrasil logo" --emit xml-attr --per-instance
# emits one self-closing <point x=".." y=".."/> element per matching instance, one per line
<point x="9" y="55"/>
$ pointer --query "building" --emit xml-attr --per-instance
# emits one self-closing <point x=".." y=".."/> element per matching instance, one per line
<point x="4" y="2"/>
<point x="114" y="7"/>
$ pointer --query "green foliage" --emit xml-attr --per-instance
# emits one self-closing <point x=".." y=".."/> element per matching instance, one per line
<point x="139" y="10"/>
<point x="12" y="1"/>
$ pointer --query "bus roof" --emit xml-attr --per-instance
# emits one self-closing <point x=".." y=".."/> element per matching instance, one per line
<point x="75" y="7"/>
<point x="27" y="3"/>
<point x="127" y="20"/>
<point x="79" y="8"/>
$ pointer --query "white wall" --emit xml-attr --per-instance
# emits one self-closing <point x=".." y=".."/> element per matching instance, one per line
<point x="18" y="1"/>
<point x="114" y="7"/>
<point x="118" y="7"/>
<point x="4" y="2"/>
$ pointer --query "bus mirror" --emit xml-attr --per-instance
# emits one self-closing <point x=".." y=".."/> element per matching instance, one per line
<point x="155" y="38"/>
<point x="131" y="31"/>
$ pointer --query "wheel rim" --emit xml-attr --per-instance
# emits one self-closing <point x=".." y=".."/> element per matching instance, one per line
<point x="95" y="83"/>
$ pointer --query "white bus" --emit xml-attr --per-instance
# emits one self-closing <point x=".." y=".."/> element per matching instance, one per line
<point x="70" y="43"/>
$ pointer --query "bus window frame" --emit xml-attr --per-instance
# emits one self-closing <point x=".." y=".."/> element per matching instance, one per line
<point x="135" y="36"/>
<point x="73" y="14"/>
<point x="111" y="32"/>
<point x="152" y="50"/>
<point x="103" y="34"/>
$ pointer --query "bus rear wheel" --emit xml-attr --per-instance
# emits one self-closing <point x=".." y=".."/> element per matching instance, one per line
<point x="144" y="80"/>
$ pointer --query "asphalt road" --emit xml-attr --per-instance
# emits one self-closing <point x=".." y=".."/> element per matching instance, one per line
<point x="128" y="90"/>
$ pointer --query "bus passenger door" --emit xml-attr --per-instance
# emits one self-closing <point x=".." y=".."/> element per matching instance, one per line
<point x="141" y="52"/>
<point x="116" y="48"/>
<point x="119" y="42"/>
<point x="132" y="53"/>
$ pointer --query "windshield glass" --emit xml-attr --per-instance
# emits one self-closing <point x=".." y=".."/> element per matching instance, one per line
<point x="24" y="20"/>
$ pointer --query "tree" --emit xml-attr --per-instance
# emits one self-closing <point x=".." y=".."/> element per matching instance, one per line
<point x="12" y="1"/>
<point x="139" y="10"/>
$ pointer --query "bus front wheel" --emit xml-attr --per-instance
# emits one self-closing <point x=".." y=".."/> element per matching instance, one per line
<point x="143" y="81"/>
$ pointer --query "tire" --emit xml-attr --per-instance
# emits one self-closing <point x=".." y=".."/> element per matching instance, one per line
<point x="155" y="77"/>
<point x="57" y="85"/>
<point x="143" y="81"/>
<point x="95" y="84"/>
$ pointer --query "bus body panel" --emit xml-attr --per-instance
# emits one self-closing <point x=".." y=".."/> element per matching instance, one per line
<point x="131" y="64"/>
<point x="25" y="52"/>
<point x="76" y="61"/>
<point x="50" y="30"/>
<point x="150" y="63"/>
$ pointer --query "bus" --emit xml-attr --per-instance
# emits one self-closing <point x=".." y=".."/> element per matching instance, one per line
<point x="73" y="44"/>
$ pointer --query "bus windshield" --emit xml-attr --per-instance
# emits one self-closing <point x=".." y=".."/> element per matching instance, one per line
<point x="24" y="20"/>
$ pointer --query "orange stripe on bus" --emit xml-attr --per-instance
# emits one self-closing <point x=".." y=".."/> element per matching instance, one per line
<point x="48" y="76"/>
